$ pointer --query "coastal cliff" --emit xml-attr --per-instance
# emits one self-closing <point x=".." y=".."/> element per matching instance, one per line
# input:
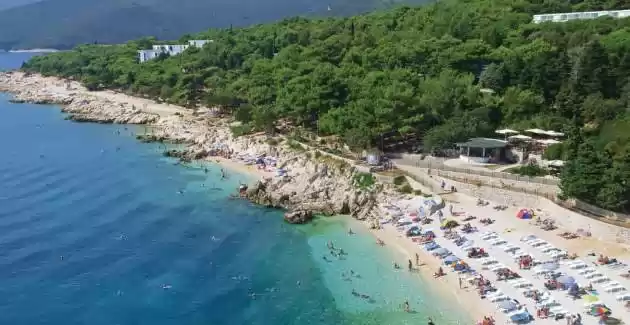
<point x="312" y="186"/>
<point x="73" y="99"/>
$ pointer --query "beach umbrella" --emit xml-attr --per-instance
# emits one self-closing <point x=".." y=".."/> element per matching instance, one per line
<point x="524" y="214"/>
<point x="507" y="305"/>
<point x="524" y="316"/>
<point x="566" y="280"/>
<point x="451" y="259"/>
<point x="441" y="251"/>
<point x="599" y="310"/>
<point x="590" y="298"/>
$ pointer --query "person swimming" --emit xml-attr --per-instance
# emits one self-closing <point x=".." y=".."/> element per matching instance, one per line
<point x="396" y="266"/>
<point x="430" y="321"/>
<point x="406" y="306"/>
<point x="350" y="232"/>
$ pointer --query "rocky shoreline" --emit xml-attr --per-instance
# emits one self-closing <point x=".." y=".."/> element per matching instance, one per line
<point x="312" y="186"/>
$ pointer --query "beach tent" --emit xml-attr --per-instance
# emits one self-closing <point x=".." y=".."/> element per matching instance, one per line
<point x="525" y="214"/>
<point x="600" y="310"/>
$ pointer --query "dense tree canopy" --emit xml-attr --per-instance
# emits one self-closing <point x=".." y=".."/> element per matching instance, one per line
<point x="443" y="72"/>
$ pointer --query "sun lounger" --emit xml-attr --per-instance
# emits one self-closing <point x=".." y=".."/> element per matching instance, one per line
<point x="498" y="242"/>
<point x="495" y="294"/>
<point x="528" y="238"/>
<point x="557" y="311"/>
<point x="587" y="271"/>
<point x="490" y="237"/>
<point x="602" y="279"/>
<point x="578" y="266"/>
<point x="548" y="249"/>
<point x="558" y="254"/>
<point x="523" y="285"/>
<point x="499" y="298"/>
<point x="615" y="289"/>
<point x="549" y="303"/>
<point x="623" y="297"/>
<point x="539" y="244"/>
<point x="486" y="233"/>
<point x="510" y="248"/>
<point x="488" y="261"/>
<point x="593" y="275"/>
<point x="496" y="267"/>
<point x="611" y="284"/>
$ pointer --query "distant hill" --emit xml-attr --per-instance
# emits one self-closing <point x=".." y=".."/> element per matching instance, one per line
<point x="6" y="4"/>
<point x="64" y="23"/>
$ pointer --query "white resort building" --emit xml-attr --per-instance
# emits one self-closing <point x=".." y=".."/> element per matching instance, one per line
<point x="566" y="16"/>
<point x="169" y="49"/>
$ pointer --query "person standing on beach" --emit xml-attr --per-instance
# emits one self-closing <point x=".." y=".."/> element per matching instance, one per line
<point x="410" y="265"/>
<point x="417" y="260"/>
<point x="460" y="282"/>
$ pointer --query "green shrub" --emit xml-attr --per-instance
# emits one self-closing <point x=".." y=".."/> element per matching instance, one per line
<point x="272" y="142"/>
<point x="295" y="145"/>
<point x="400" y="180"/>
<point x="364" y="180"/>
<point x="406" y="189"/>
<point x="242" y="129"/>
<point x="529" y="170"/>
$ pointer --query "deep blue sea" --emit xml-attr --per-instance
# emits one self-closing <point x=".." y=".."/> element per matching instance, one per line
<point x="96" y="228"/>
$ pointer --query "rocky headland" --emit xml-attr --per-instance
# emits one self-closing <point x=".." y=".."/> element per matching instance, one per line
<point x="312" y="186"/>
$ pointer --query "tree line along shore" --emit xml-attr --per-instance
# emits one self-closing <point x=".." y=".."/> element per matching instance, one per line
<point x="442" y="73"/>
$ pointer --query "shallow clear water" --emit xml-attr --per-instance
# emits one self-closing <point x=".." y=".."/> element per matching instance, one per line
<point x="96" y="228"/>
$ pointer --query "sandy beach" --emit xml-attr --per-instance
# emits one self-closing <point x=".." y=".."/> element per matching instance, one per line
<point x="178" y="123"/>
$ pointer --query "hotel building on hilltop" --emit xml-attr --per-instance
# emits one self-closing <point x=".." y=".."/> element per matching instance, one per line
<point x="566" y="16"/>
<point x="169" y="49"/>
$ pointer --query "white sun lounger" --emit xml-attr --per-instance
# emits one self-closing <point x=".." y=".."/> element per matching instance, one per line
<point x="497" y="241"/>
<point x="549" y="303"/>
<point x="602" y="279"/>
<point x="523" y="285"/>
<point x="615" y="289"/>
<point x="499" y="298"/>
<point x="540" y="244"/>
<point x="497" y="266"/>
<point x="558" y="254"/>
<point x="486" y="233"/>
<point x="548" y="249"/>
<point x="528" y="238"/>
<point x="489" y="261"/>
<point x="578" y="266"/>
<point x="593" y="275"/>
<point x="587" y="271"/>
<point x="495" y="294"/>
<point x="623" y="297"/>
<point x="558" y="310"/>
<point x="511" y="248"/>
<point x="611" y="284"/>
<point x="490" y="238"/>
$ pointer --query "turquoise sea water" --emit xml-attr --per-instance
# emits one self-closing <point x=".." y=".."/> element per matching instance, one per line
<point x="96" y="228"/>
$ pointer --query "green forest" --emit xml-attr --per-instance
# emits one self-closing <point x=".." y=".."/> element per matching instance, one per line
<point x="441" y="73"/>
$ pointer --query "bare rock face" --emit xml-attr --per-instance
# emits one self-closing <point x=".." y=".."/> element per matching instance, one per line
<point x="298" y="216"/>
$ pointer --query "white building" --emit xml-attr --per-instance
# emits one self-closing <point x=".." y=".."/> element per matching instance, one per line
<point x="566" y="16"/>
<point x="199" y="43"/>
<point x="169" y="49"/>
<point x="146" y="55"/>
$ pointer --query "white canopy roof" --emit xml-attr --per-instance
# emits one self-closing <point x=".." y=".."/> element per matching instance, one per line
<point x="537" y="131"/>
<point x="506" y="131"/>
<point x="556" y="163"/>
<point x="519" y="137"/>
<point x="555" y="134"/>
<point x="548" y="142"/>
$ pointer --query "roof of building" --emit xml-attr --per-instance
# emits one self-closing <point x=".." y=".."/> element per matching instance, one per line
<point x="483" y="143"/>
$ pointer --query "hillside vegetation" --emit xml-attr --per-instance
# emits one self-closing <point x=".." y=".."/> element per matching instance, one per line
<point x="405" y="73"/>
<point x="62" y="24"/>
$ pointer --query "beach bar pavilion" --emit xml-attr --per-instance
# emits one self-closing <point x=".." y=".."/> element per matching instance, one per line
<point x="482" y="150"/>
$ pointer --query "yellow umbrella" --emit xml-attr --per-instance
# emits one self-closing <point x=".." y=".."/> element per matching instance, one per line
<point x="590" y="298"/>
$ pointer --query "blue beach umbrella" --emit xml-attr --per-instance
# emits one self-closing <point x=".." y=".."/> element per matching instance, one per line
<point x="507" y="305"/>
<point x="566" y="280"/>
<point x="520" y="317"/>
<point x="441" y="251"/>
<point x="451" y="259"/>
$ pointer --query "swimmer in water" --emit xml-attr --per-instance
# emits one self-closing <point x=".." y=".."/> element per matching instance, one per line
<point x="355" y="293"/>
<point x="430" y="321"/>
<point x="406" y="306"/>
<point x="180" y="192"/>
<point x="166" y="286"/>
<point x="350" y="232"/>
<point x="326" y="259"/>
<point x="396" y="266"/>
<point x="205" y="170"/>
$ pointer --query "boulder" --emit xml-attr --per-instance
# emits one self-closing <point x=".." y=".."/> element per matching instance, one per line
<point x="298" y="216"/>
